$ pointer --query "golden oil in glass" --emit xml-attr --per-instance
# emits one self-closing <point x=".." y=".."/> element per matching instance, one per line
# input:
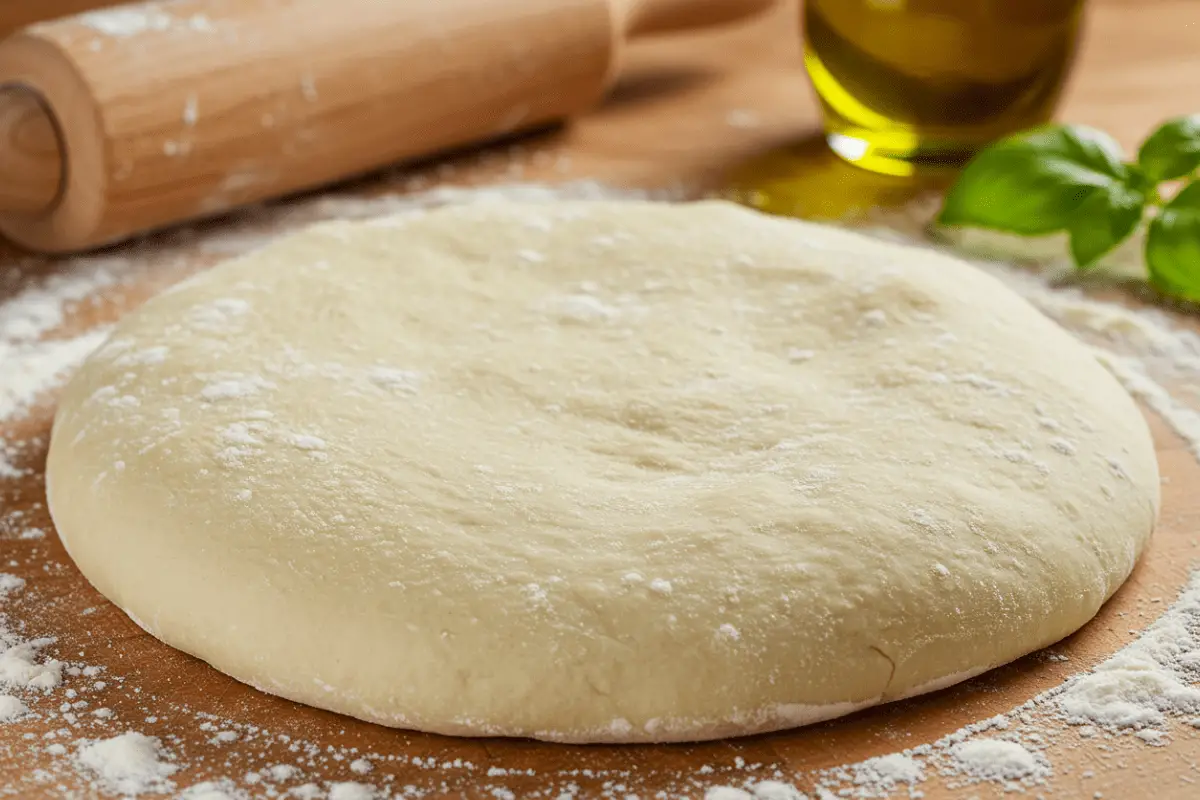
<point x="907" y="84"/>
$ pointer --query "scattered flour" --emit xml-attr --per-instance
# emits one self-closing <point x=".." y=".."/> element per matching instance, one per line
<point x="1153" y="738"/>
<point x="1139" y="693"/>
<point x="128" y="764"/>
<point x="998" y="760"/>
<point x="775" y="790"/>
<point x="742" y="118"/>
<point x="219" y="389"/>
<point x="23" y="667"/>
<point x="886" y="771"/>
<point x="762" y="790"/>
<point x="397" y="380"/>
<point x="31" y="364"/>
<point x="11" y="708"/>
<point x="191" y="111"/>
<point x="283" y="772"/>
<point x="1132" y="375"/>
<point x="1146" y="682"/>
<point x="10" y="584"/>
<point x="132" y="20"/>
<point x="40" y="308"/>
<point x="121" y="22"/>
<point x="351" y="791"/>
<point x="31" y="369"/>
<point x="214" y="790"/>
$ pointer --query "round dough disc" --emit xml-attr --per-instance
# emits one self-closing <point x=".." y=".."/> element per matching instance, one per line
<point x="599" y="471"/>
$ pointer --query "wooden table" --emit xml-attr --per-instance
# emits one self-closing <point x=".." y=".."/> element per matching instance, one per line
<point x="690" y="111"/>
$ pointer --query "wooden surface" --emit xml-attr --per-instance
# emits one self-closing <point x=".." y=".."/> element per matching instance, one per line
<point x="690" y="111"/>
<point x="212" y="104"/>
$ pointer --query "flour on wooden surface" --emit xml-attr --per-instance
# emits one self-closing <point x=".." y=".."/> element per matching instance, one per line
<point x="9" y="584"/>
<point x="1137" y="696"/>
<point x="127" y="21"/>
<point x="888" y="772"/>
<point x="128" y="764"/>
<point x="11" y="708"/>
<point x="24" y="668"/>
<point x="33" y="359"/>
<point x="760" y="790"/>
<point x="214" y="790"/>
<point x="998" y="760"/>
<point x="351" y="790"/>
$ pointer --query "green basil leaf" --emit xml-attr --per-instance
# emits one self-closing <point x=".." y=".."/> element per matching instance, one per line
<point x="1173" y="150"/>
<point x="1173" y="245"/>
<point x="1018" y="192"/>
<point x="1033" y="183"/>
<point x="1078" y="144"/>
<point x="1103" y="221"/>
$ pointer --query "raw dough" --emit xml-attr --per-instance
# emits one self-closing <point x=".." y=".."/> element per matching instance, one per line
<point x="599" y="471"/>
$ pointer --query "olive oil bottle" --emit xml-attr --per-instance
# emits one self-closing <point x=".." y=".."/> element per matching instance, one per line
<point x="906" y="84"/>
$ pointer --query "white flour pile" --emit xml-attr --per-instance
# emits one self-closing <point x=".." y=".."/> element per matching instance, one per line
<point x="998" y="760"/>
<point x="60" y="704"/>
<point x="128" y="764"/>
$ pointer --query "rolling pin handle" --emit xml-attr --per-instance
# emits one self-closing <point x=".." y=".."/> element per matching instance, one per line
<point x="651" y="17"/>
<point x="31" y="162"/>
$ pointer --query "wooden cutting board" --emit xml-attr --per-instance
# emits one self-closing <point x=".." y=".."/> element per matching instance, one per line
<point x="692" y="111"/>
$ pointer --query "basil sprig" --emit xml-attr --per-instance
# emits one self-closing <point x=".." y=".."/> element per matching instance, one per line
<point x="1075" y="179"/>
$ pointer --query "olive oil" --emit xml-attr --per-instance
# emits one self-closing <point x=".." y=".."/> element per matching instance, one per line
<point x="912" y="83"/>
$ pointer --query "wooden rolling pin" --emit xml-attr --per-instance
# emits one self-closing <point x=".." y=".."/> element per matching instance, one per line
<point x="121" y="121"/>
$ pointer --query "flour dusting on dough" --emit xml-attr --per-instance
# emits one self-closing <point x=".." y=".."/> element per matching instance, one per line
<point x="1156" y="351"/>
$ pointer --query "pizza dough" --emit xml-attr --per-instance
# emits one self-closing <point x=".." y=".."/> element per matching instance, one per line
<point x="599" y="471"/>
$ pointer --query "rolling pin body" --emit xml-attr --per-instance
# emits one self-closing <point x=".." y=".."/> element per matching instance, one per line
<point x="16" y="14"/>
<point x="136" y="117"/>
<point x="186" y="109"/>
